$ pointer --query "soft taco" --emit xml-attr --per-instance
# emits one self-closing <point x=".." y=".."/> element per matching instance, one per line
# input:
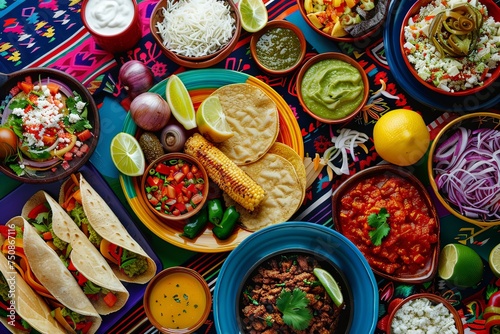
<point x="43" y="270"/>
<point x="92" y="272"/>
<point x="22" y="310"/>
<point x="89" y="210"/>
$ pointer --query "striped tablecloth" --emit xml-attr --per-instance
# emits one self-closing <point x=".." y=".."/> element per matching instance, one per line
<point x="49" y="33"/>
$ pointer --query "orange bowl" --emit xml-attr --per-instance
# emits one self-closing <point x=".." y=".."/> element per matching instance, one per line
<point x="378" y="21"/>
<point x="396" y="182"/>
<point x="177" y="288"/>
<point x="170" y="200"/>
<point x="347" y="61"/>
<point x="434" y="300"/>
<point x="201" y="61"/>
<point x="273" y="26"/>
<point x="493" y="11"/>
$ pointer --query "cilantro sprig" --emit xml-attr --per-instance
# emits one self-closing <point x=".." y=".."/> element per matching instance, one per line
<point x="381" y="228"/>
<point x="293" y="305"/>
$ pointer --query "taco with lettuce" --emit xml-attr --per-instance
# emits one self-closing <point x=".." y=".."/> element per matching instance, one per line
<point x="43" y="270"/>
<point x="23" y="311"/>
<point x="91" y="213"/>
<point x="92" y="272"/>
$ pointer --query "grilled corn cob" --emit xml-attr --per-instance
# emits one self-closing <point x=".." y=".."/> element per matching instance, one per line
<point x="225" y="173"/>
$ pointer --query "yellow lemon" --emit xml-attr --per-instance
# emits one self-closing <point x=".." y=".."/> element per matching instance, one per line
<point x="460" y="265"/>
<point x="253" y="15"/>
<point x="401" y="137"/>
<point x="211" y="120"/>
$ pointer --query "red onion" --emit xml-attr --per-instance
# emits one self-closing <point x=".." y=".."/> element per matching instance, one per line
<point x="150" y="111"/>
<point x="173" y="138"/>
<point x="40" y="165"/>
<point x="468" y="172"/>
<point x="136" y="78"/>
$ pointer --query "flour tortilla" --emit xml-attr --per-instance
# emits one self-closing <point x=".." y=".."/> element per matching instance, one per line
<point x="85" y="257"/>
<point x="53" y="274"/>
<point x="109" y="227"/>
<point x="253" y="117"/>
<point x="29" y="305"/>
<point x="283" y="192"/>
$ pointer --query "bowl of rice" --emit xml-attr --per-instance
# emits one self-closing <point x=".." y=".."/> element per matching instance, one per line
<point x="453" y="46"/>
<point x="464" y="168"/>
<point x="424" y="313"/>
<point x="196" y="33"/>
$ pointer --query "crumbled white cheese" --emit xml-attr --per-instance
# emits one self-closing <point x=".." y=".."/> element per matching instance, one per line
<point x="80" y="105"/>
<point x="423" y="316"/>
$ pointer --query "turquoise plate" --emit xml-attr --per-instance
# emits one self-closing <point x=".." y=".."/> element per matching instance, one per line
<point x="297" y="236"/>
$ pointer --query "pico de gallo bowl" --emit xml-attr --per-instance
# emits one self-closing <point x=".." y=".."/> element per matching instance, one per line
<point x="53" y="121"/>
<point x="387" y="213"/>
<point x="175" y="186"/>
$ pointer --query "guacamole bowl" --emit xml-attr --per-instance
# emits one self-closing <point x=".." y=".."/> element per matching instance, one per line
<point x="332" y="87"/>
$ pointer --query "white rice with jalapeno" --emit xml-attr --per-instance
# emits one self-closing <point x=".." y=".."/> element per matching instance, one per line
<point x="450" y="73"/>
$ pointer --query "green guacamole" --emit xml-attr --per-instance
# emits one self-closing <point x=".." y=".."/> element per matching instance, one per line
<point x="332" y="88"/>
<point x="278" y="49"/>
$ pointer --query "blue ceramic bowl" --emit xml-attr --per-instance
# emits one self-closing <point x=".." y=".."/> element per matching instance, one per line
<point x="305" y="236"/>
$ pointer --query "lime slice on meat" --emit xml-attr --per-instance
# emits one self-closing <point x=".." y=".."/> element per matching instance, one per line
<point x="330" y="285"/>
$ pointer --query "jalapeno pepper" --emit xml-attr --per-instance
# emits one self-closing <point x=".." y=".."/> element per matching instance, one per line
<point x="196" y="224"/>
<point x="226" y="227"/>
<point x="215" y="211"/>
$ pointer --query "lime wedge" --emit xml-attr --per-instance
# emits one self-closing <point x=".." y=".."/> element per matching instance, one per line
<point x="211" y="120"/>
<point x="126" y="154"/>
<point x="330" y="285"/>
<point x="180" y="102"/>
<point x="494" y="260"/>
<point x="460" y="265"/>
<point x="253" y="15"/>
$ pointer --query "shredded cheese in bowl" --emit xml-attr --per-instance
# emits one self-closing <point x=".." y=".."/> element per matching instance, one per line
<point x="196" y="28"/>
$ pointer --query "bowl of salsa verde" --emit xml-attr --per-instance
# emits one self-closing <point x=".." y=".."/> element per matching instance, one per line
<point x="332" y="87"/>
<point x="388" y="214"/>
<point x="279" y="48"/>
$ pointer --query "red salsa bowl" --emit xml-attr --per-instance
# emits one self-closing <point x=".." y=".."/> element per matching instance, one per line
<point x="388" y="214"/>
<point x="175" y="186"/>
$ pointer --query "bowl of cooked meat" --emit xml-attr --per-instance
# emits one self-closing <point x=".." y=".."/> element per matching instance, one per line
<point x="312" y="279"/>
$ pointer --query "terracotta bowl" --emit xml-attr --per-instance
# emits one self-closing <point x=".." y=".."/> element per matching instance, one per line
<point x="493" y="11"/>
<point x="348" y="38"/>
<point x="271" y="25"/>
<point x="175" y="204"/>
<point x="429" y="263"/>
<point x="172" y="286"/>
<point x="195" y="62"/>
<point x="346" y="59"/>
<point x="472" y="121"/>
<point x="435" y="300"/>
<point x="67" y="84"/>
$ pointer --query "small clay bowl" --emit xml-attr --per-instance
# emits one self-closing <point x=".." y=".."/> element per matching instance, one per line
<point x="473" y="121"/>
<point x="327" y="56"/>
<point x="172" y="202"/>
<point x="429" y="268"/>
<point x="435" y="300"/>
<point x="177" y="287"/>
<point x="272" y="26"/>
<point x="195" y="62"/>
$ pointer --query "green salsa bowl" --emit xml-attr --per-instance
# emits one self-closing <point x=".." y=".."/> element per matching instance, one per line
<point x="279" y="48"/>
<point x="332" y="87"/>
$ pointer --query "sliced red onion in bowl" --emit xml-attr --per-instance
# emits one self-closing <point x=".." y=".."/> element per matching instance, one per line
<point x="467" y="169"/>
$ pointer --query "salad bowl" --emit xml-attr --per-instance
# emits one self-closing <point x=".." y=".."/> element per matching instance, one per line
<point x="47" y="152"/>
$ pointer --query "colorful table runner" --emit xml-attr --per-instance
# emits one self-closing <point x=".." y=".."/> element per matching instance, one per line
<point x="48" y="33"/>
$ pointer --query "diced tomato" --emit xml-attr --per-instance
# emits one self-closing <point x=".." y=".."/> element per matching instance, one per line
<point x="84" y="327"/>
<point x="68" y="156"/>
<point x="170" y="191"/>
<point x="154" y="201"/>
<point x="84" y="148"/>
<point x="163" y="169"/>
<point x="153" y="181"/>
<point x="65" y="165"/>
<point x="191" y="188"/>
<point x="185" y="169"/>
<point x="81" y="279"/>
<point x="110" y="299"/>
<point x="115" y="251"/>
<point x="197" y="198"/>
<point x="180" y="206"/>
<point x="179" y="176"/>
<point x="71" y="266"/>
<point x="47" y="236"/>
<point x="37" y="210"/>
<point x="53" y="88"/>
<point x="26" y="87"/>
<point x="4" y="231"/>
<point x="176" y="212"/>
<point x="84" y="135"/>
